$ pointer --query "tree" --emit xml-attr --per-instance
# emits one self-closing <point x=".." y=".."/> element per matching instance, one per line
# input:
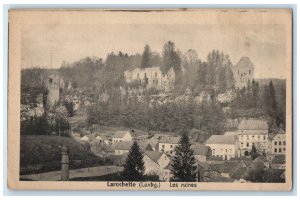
<point x="171" y="58"/>
<point x="134" y="168"/>
<point x="61" y="117"/>
<point x="70" y="107"/>
<point x="146" y="57"/>
<point x="253" y="152"/>
<point x="184" y="164"/>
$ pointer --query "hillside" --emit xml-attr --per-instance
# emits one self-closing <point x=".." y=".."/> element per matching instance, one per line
<point x="42" y="154"/>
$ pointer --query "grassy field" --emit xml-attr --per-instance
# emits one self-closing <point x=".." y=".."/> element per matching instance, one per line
<point x="42" y="154"/>
<point x="109" y="172"/>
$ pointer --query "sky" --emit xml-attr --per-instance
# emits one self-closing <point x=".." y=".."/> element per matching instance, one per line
<point x="264" y="44"/>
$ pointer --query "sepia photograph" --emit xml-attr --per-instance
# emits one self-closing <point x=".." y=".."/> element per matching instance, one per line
<point x="173" y="99"/>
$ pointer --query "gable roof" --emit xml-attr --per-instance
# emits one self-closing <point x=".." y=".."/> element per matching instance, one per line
<point x="233" y="133"/>
<point x="126" y="145"/>
<point x="230" y="167"/>
<point x="120" y="134"/>
<point x="239" y="173"/>
<point x="153" y="142"/>
<point x="278" y="159"/>
<point x="200" y="149"/>
<point x="221" y="139"/>
<point x="169" y="140"/>
<point x="153" y="155"/>
<point x="253" y="124"/>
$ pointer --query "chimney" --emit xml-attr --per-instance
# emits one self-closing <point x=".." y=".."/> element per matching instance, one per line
<point x="65" y="163"/>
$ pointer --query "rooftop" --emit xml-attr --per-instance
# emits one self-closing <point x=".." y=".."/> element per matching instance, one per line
<point x="200" y="149"/>
<point x="278" y="159"/>
<point x="221" y="139"/>
<point x="153" y="155"/>
<point x="170" y="140"/>
<point x="253" y="124"/>
<point x="120" y="134"/>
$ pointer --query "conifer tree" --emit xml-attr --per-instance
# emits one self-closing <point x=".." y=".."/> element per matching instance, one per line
<point x="253" y="152"/>
<point x="134" y="168"/>
<point x="184" y="163"/>
<point x="146" y="57"/>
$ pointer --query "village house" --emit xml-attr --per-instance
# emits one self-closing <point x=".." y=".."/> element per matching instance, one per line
<point x="279" y="143"/>
<point x="167" y="144"/>
<point x="88" y="138"/>
<point x="253" y="132"/>
<point x="201" y="152"/>
<point x="152" y="77"/>
<point x="120" y="136"/>
<point x="123" y="147"/>
<point x="155" y="162"/>
<point x="104" y="138"/>
<point x="230" y="169"/>
<point x="222" y="146"/>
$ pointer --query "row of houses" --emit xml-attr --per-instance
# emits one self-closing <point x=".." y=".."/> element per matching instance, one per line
<point x="251" y="132"/>
<point x="220" y="157"/>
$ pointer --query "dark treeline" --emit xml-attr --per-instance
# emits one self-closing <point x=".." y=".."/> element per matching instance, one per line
<point x="266" y="101"/>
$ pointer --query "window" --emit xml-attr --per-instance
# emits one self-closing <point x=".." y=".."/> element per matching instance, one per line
<point x="275" y="150"/>
<point x="214" y="151"/>
<point x="163" y="146"/>
<point x="283" y="149"/>
<point x="249" y="72"/>
<point x="264" y="137"/>
<point x="226" y="150"/>
<point x="279" y="150"/>
<point x="242" y="144"/>
<point x="252" y="137"/>
<point x="153" y="82"/>
<point x="171" y="146"/>
<point x="258" y="137"/>
<point x="275" y="143"/>
<point x="247" y="144"/>
<point x="155" y="74"/>
<point x="283" y="142"/>
<point x="279" y="143"/>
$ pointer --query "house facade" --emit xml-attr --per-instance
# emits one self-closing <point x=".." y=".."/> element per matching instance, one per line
<point x="222" y="146"/>
<point x="168" y="144"/>
<point x="152" y="77"/>
<point x="123" y="147"/>
<point x="279" y="143"/>
<point x="253" y="132"/>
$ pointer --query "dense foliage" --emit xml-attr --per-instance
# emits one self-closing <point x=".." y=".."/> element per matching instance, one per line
<point x="134" y="168"/>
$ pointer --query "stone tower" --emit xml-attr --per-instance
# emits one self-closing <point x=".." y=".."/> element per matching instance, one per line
<point x="243" y="72"/>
